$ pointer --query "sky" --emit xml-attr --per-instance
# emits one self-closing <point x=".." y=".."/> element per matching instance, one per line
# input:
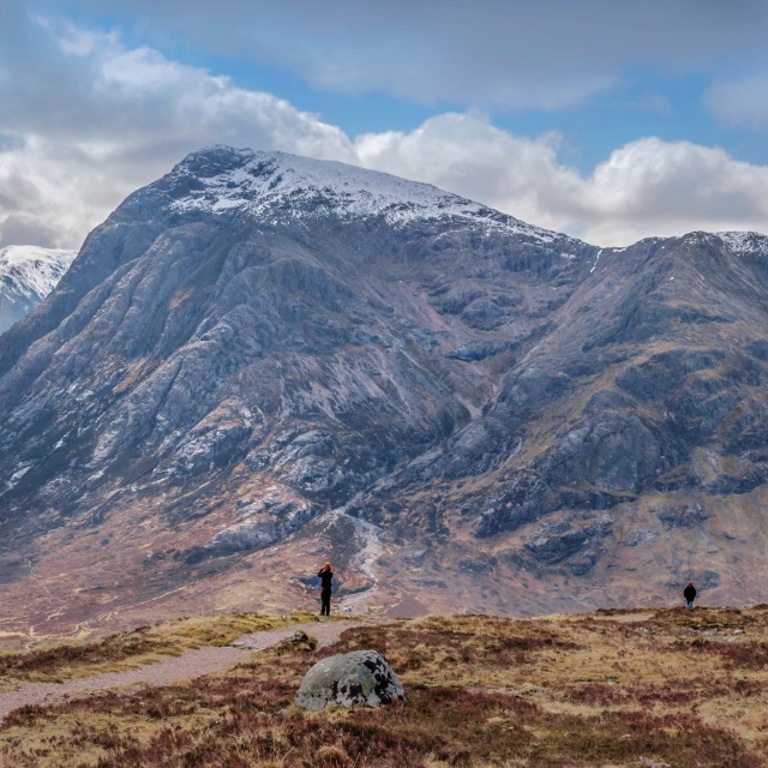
<point x="608" y="120"/>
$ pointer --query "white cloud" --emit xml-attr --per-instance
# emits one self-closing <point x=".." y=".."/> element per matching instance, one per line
<point x="650" y="187"/>
<point x="464" y="153"/>
<point x="120" y="117"/>
<point x="645" y="188"/>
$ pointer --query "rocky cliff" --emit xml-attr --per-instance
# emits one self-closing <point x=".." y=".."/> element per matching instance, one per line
<point x="261" y="360"/>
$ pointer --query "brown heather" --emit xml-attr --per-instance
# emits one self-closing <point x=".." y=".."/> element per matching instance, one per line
<point x="615" y="689"/>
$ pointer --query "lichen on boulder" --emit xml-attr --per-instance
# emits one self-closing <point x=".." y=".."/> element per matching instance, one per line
<point x="358" y="678"/>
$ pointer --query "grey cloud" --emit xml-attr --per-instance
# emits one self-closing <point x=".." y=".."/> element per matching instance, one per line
<point x="540" y="53"/>
<point x="17" y="230"/>
<point x="740" y="102"/>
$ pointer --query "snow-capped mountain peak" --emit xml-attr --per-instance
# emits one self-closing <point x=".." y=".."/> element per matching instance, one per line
<point x="220" y="178"/>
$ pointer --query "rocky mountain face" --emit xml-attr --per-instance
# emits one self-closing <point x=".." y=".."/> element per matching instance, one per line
<point x="260" y="362"/>
<point x="27" y="275"/>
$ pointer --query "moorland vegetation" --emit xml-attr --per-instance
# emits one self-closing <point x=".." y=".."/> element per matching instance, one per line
<point x="655" y="688"/>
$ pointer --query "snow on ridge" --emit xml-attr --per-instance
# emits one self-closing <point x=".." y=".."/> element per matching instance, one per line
<point x="744" y="242"/>
<point x="33" y="271"/>
<point x="265" y="182"/>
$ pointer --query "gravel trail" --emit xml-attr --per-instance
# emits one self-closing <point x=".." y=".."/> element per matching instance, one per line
<point x="191" y="664"/>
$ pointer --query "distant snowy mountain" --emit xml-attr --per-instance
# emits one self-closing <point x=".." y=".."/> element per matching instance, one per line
<point x="27" y="275"/>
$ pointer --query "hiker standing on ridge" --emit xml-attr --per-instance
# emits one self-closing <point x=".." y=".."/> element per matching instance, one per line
<point x="689" y="593"/>
<point x="326" y="577"/>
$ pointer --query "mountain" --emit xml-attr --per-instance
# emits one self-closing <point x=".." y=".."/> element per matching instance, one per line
<point x="27" y="275"/>
<point x="260" y="362"/>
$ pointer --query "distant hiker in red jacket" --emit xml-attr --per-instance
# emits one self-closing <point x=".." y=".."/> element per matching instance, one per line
<point x="326" y="577"/>
<point x="689" y="593"/>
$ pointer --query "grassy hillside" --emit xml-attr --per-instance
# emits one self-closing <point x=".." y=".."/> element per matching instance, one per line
<point x="615" y="689"/>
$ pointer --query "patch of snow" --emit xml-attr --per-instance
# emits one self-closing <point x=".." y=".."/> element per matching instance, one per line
<point x="13" y="481"/>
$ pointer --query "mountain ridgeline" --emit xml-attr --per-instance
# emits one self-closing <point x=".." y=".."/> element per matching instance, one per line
<point x="261" y="360"/>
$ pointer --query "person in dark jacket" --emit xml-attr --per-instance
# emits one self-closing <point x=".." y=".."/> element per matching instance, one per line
<point x="689" y="593"/>
<point x="326" y="577"/>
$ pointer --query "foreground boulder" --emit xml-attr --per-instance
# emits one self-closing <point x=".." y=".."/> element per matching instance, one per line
<point x="359" y="678"/>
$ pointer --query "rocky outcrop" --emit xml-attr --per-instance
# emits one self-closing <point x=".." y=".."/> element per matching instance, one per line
<point x="576" y="542"/>
<point x="358" y="678"/>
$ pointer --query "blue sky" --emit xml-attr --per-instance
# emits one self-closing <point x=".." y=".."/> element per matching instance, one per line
<point x="608" y="120"/>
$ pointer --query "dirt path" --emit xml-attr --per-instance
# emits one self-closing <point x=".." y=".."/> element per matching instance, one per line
<point x="191" y="664"/>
